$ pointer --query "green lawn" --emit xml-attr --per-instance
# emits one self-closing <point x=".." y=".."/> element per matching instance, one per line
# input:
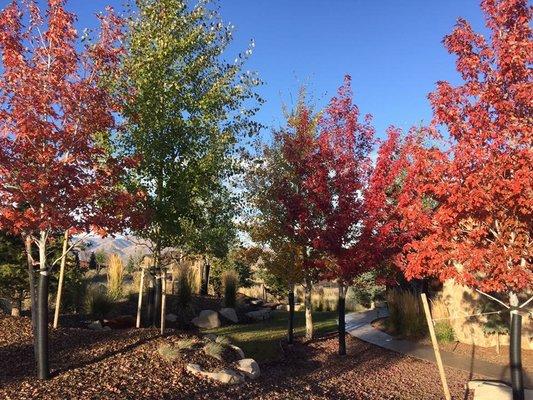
<point x="260" y="340"/>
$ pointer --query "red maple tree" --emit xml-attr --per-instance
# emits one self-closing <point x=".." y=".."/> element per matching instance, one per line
<point x="55" y="172"/>
<point x="481" y="229"/>
<point x="396" y="212"/>
<point x="341" y="169"/>
<point x="480" y="232"/>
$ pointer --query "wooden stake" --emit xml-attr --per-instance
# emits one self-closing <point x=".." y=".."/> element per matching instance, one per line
<point x="61" y="278"/>
<point x="435" y="347"/>
<point x="140" y="302"/>
<point x="163" y="300"/>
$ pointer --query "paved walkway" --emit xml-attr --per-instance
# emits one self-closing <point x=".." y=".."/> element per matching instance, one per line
<point x="359" y="326"/>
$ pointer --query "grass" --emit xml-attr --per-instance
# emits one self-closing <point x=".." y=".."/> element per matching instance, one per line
<point x="260" y="340"/>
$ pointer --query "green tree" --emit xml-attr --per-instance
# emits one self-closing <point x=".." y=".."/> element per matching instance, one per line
<point x="14" y="282"/>
<point x="187" y="115"/>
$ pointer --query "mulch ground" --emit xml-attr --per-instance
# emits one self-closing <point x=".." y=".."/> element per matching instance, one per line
<point x="125" y="364"/>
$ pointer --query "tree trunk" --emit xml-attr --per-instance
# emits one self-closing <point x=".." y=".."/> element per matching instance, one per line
<point x="309" y="329"/>
<point x="33" y="296"/>
<point x="342" y="320"/>
<point x="157" y="300"/>
<point x="150" y="298"/>
<point x="43" y="368"/>
<point x="290" y="333"/>
<point x="515" y="349"/>
<point x="61" y="278"/>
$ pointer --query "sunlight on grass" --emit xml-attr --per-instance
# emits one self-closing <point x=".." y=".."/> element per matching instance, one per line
<point x="260" y="340"/>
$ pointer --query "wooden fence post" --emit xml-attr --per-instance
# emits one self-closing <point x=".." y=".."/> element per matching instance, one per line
<point x="140" y="302"/>
<point x="435" y="346"/>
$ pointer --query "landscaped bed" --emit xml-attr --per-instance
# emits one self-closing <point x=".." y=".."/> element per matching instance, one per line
<point x="122" y="364"/>
<point x="481" y="353"/>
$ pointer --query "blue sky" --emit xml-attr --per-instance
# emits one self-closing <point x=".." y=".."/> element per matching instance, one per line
<point x="391" y="48"/>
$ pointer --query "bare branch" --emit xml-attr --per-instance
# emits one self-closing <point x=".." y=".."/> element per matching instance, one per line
<point x="493" y="298"/>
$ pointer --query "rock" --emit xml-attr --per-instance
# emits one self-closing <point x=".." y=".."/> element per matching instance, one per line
<point x="95" y="326"/>
<point x="238" y="350"/>
<point x="256" y="302"/>
<point x="229" y="314"/>
<point x="107" y="328"/>
<point x="211" y="337"/>
<point x="171" y="317"/>
<point x="208" y="319"/>
<point x="260" y="315"/>
<point x="281" y="307"/>
<point x="297" y="307"/>
<point x="194" y="369"/>
<point x="121" y="322"/>
<point x="487" y="390"/>
<point x="227" y="376"/>
<point x="249" y="367"/>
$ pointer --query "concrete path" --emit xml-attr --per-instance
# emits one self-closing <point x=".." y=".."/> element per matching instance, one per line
<point x="359" y="326"/>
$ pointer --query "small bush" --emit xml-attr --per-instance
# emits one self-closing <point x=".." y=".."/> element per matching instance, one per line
<point x="74" y="290"/>
<point x="230" y="283"/>
<point x="224" y="340"/>
<point x="406" y="316"/>
<point x="184" y="283"/>
<point x="444" y="332"/>
<point x="215" y="350"/>
<point x="115" y="277"/>
<point x="186" y="344"/>
<point x="98" y="303"/>
<point x="168" y="352"/>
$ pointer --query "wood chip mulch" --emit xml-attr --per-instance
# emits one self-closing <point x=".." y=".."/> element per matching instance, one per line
<point x="125" y="364"/>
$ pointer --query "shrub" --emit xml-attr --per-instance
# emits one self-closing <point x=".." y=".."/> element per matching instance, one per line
<point x="74" y="290"/>
<point x="168" y="352"/>
<point x="186" y="344"/>
<point x="183" y="303"/>
<point x="224" y="340"/>
<point x="444" y="332"/>
<point x="318" y="300"/>
<point x="406" y="316"/>
<point x="115" y="276"/>
<point x="98" y="303"/>
<point x="215" y="350"/>
<point x="184" y="283"/>
<point x="230" y="282"/>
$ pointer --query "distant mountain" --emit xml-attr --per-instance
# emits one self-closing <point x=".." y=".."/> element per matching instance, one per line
<point x="124" y="246"/>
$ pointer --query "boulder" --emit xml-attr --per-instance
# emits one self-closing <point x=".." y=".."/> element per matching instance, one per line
<point x="208" y="319"/>
<point x="256" y="302"/>
<point x="238" y="350"/>
<point x="227" y="376"/>
<point x="229" y="314"/>
<point x="171" y="317"/>
<point x="297" y="307"/>
<point x="260" y="315"/>
<point x="95" y="326"/>
<point x="211" y="337"/>
<point x="121" y="322"/>
<point x="249" y="367"/>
